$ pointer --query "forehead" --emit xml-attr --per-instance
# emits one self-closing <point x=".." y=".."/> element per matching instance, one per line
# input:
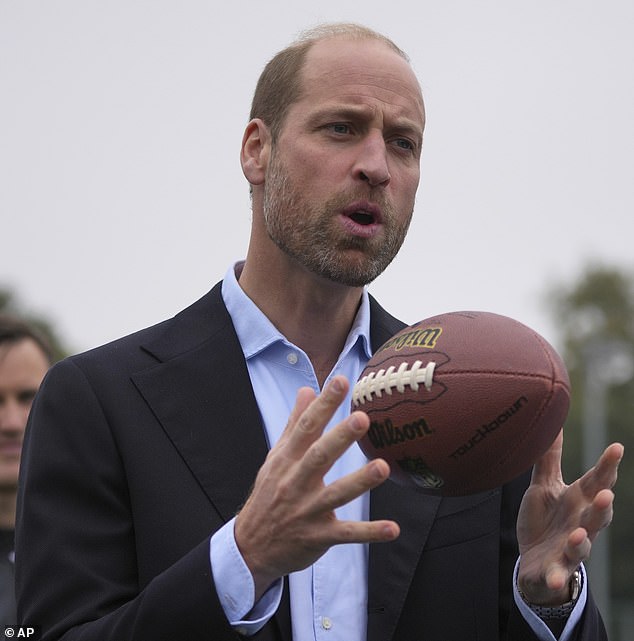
<point x="340" y="70"/>
<point x="22" y="362"/>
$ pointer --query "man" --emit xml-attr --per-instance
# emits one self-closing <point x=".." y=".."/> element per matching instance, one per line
<point x="140" y="453"/>
<point x="24" y="359"/>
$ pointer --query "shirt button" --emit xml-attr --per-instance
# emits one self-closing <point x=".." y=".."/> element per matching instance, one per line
<point x="292" y="358"/>
<point x="326" y="623"/>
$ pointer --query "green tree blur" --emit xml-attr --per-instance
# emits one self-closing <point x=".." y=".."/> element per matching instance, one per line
<point x="595" y="317"/>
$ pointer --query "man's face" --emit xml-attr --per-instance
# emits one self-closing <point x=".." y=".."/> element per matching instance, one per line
<point x="22" y="368"/>
<point x="341" y="181"/>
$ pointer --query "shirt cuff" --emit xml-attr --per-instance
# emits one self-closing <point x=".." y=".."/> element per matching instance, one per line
<point x="537" y="625"/>
<point x="235" y="587"/>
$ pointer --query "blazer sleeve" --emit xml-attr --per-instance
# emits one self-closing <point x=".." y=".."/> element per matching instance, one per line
<point x="589" y="628"/>
<point x="77" y="579"/>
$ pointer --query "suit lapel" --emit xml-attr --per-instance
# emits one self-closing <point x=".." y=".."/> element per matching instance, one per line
<point x="202" y="396"/>
<point x="392" y="565"/>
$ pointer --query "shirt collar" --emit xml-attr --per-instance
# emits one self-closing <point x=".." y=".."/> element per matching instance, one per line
<point x="256" y="332"/>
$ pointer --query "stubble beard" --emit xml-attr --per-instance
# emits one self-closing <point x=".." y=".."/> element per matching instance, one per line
<point x="311" y="235"/>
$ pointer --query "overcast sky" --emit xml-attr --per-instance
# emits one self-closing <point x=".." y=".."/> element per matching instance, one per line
<point x="122" y="198"/>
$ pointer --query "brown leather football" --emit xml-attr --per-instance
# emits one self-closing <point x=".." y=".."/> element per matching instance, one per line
<point x="462" y="402"/>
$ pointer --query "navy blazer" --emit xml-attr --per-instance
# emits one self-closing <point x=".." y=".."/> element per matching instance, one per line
<point x="138" y="451"/>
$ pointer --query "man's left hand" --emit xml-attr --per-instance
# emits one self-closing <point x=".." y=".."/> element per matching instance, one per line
<point x="557" y="523"/>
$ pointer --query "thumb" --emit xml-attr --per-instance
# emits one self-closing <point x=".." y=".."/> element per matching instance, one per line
<point x="547" y="468"/>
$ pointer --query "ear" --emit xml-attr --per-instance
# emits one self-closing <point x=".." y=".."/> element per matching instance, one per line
<point x="255" y="151"/>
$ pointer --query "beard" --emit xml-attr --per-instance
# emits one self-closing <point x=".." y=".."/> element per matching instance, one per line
<point x="311" y="234"/>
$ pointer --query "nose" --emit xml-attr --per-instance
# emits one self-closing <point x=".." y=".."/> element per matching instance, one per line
<point x="371" y="164"/>
<point x="13" y="417"/>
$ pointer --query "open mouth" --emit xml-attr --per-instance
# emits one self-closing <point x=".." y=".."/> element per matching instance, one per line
<point x="363" y="213"/>
<point x="362" y="217"/>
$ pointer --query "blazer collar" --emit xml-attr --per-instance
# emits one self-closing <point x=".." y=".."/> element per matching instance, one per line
<point x="201" y="366"/>
<point x="202" y="396"/>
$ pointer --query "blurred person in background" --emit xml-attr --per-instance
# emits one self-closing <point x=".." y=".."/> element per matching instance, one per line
<point x="25" y="357"/>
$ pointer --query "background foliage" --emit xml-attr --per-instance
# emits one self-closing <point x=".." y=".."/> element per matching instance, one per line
<point x="596" y="317"/>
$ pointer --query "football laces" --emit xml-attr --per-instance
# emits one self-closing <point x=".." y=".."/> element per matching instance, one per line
<point x="385" y="381"/>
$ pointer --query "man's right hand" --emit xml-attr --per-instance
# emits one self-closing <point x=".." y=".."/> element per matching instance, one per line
<point x="289" y="519"/>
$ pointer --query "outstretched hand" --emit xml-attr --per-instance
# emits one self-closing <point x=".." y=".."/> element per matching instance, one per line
<point x="557" y="523"/>
<point x="288" y="521"/>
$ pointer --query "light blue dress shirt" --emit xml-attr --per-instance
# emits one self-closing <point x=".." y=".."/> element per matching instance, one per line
<point x="328" y="599"/>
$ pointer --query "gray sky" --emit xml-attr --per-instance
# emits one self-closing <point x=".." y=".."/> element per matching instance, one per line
<point x="122" y="198"/>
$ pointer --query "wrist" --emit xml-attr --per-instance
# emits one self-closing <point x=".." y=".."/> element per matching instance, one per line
<point x="556" y="606"/>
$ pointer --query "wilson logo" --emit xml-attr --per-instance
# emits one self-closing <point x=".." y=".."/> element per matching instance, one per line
<point x="427" y="337"/>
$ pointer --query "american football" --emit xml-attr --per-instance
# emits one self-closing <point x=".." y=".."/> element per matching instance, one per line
<point x="462" y="402"/>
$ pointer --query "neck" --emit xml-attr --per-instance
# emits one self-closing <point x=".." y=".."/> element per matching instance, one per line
<point x="7" y="508"/>
<point x="313" y="313"/>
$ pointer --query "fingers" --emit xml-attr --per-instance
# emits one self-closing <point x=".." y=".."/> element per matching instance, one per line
<point x="547" y="468"/>
<point x="366" y="531"/>
<point x="311" y="414"/>
<point x="304" y="454"/>
<point x="599" y="514"/>
<point x="577" y="548"/>
<point x="556" y="579"/>
<point x="329" y="447"/>
<point x="351" y="486"/>
<point x="289" y="519"/>
<point x="603" y="475"/>
<point x="556" y="571"/>
<point x="317" y="452"/>
<point x="596" y="518"/>
<point x="558" y="523"/>
<point x="323" y="453"/>
<point x="305" y="396"/>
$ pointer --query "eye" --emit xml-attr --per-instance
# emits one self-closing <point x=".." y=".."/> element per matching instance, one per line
<point x="26" y="396"/>
<point x="340" y="128"/>
<point x="404" y="143"/>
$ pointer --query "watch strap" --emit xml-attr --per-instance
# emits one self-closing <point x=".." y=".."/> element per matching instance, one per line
<point x="551" y="612"/>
